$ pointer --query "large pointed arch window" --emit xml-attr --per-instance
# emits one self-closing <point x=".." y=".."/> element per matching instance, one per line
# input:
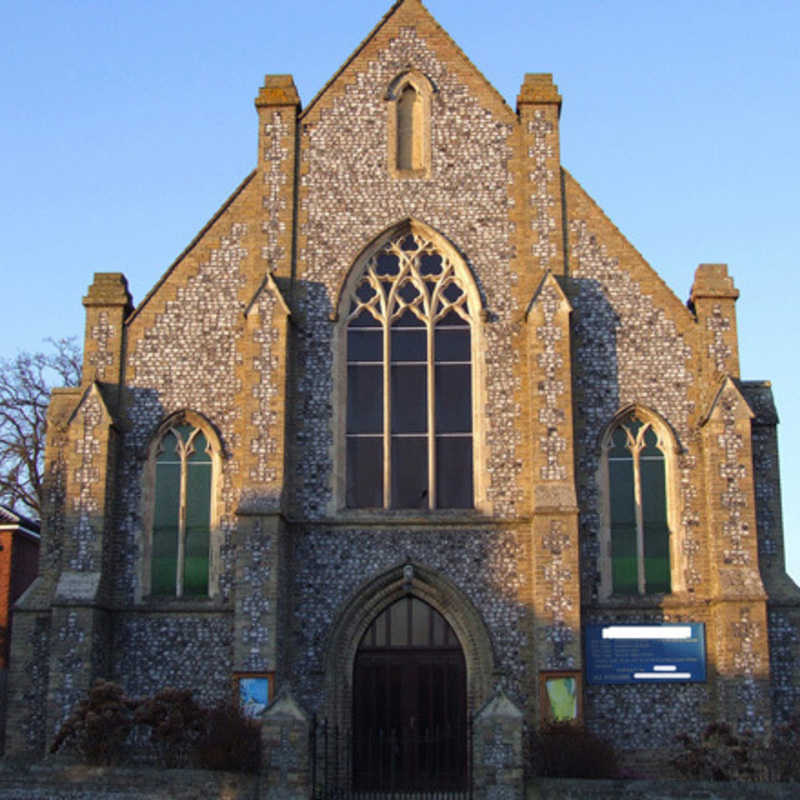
<point x="409" y="381"/>
<point x="638" y="511"/>
<point x="181" y="513"/>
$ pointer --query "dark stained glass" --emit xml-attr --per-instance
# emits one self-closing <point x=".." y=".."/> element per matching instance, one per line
<point x="364" y="399"/>
<point x="454" y="472"/>
<point x="430" y="264"/>
<point x="656" y="558"/>
<point x="452" y="292"/>
<point x="365" y="344"/>
<point x="452" y="344"/>
<point x="365" y="320"/>
<point x="654" y="513"/>
<point x="164" y="553"/>
<point x="409" y="622"/>
<point x="198" y="517"/>
<point x="420" y="623"/>
<point x="400" y="633"/>
<point x="408" y="319"/>
<point x="625" y="575"/>
<point x="409" y="399"/>
<point x="452" y="320"/>
<point x="650" y="449"/>
<point x="364" y="472"/>
<point x="365" y="292"/>
<point x="620" y="475"/>
<point x="619" y="445"/>
<point x="413" y="400"/>
<point x="453" y="398"/>
<point x="654" y="498"/>
<point x="623" y="524"/>
<point x="387" y="264"/>
<point x="408" y="292"/>
<point x="409" y="344"/>
<point x="409" y="472"/>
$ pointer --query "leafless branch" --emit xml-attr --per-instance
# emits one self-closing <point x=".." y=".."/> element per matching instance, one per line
<point x="25" y="384"/>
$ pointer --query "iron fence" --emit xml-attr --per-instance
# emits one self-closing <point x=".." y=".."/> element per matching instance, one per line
<point x="390" y="765"/>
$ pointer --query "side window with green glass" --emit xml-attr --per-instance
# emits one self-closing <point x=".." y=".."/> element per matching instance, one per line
<point x="637" y="495"/>
<point x="182" y="514"/>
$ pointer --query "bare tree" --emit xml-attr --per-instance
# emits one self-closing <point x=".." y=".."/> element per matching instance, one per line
<point x="25" y="384"/>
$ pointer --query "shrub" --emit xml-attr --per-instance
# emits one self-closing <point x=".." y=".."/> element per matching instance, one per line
<point x="230" y="740"/>
<point x="99" y="725"/>
<point x="784" y="765"/>
<point x="176" y="725"/>
<point x="721" y="755"/>
<point x="565" y="750"/>
<point x="182" y="733"/>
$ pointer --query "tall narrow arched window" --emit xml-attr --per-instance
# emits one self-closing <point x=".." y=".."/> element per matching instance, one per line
<point x="637" y="508"/>
<point x="182" y="477"/>
<point x="409" y="381"/>
<point x="409" y="129"/>
<point x="409" y="125"/>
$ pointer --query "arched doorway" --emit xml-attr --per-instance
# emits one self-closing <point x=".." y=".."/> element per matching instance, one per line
<point x="409" y="702"/>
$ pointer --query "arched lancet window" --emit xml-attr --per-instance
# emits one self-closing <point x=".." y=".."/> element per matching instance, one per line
<point x="409" y="125"/>
<point x="637" y="508"/>
<point x="409" y="129"/>
<point x="182" y="471"/>
<point x="409" y="381"/>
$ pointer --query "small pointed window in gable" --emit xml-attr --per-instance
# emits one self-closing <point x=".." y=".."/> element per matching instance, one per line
<point x="409" y="125"/>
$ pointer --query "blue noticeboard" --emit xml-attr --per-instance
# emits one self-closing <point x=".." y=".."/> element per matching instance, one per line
<point x="646" y="653"/>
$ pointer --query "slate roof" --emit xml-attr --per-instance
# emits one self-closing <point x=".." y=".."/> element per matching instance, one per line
<point x="9" y="517"/>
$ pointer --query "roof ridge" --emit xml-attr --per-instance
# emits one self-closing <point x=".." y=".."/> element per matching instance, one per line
<point x="14" y="517"/>
<point x="373" y="32"/>
<point x="189" y="247"/>
<point x="630" y="244"/>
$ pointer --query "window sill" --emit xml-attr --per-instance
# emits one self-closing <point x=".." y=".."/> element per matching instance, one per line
<point x="183" y="604"/>
<point x="645" y="601"/>
<point x="406" y="516"/>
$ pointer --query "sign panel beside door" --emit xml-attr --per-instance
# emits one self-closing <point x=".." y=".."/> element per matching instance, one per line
<point x="648" y="653"/>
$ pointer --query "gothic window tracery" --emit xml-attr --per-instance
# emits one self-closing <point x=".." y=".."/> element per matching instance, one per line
<point x="182" y="508"/>
<point x="638" y="524"/>
<point x="409" y="381"/>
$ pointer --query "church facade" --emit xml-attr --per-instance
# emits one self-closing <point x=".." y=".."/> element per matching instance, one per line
<point x="410" y="425"/>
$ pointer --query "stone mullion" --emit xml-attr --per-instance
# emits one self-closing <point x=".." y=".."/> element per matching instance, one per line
<point x="431" y="374"/>
<point x="179" y="567"/>
<point x="387" y="410"/>
<point x="636" y="451"/>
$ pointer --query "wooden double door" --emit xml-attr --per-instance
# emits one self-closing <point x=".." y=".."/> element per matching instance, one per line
<point x="409" y="703"/>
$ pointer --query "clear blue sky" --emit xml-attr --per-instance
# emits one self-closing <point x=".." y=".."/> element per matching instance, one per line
<point x="124" y="125"/>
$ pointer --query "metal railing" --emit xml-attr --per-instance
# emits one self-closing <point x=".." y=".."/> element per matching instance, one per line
<point x="391" y="765"/>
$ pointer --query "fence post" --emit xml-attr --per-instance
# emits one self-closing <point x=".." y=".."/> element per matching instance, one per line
<point x="287" y="759"/>
<point x="497" y="750"/>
